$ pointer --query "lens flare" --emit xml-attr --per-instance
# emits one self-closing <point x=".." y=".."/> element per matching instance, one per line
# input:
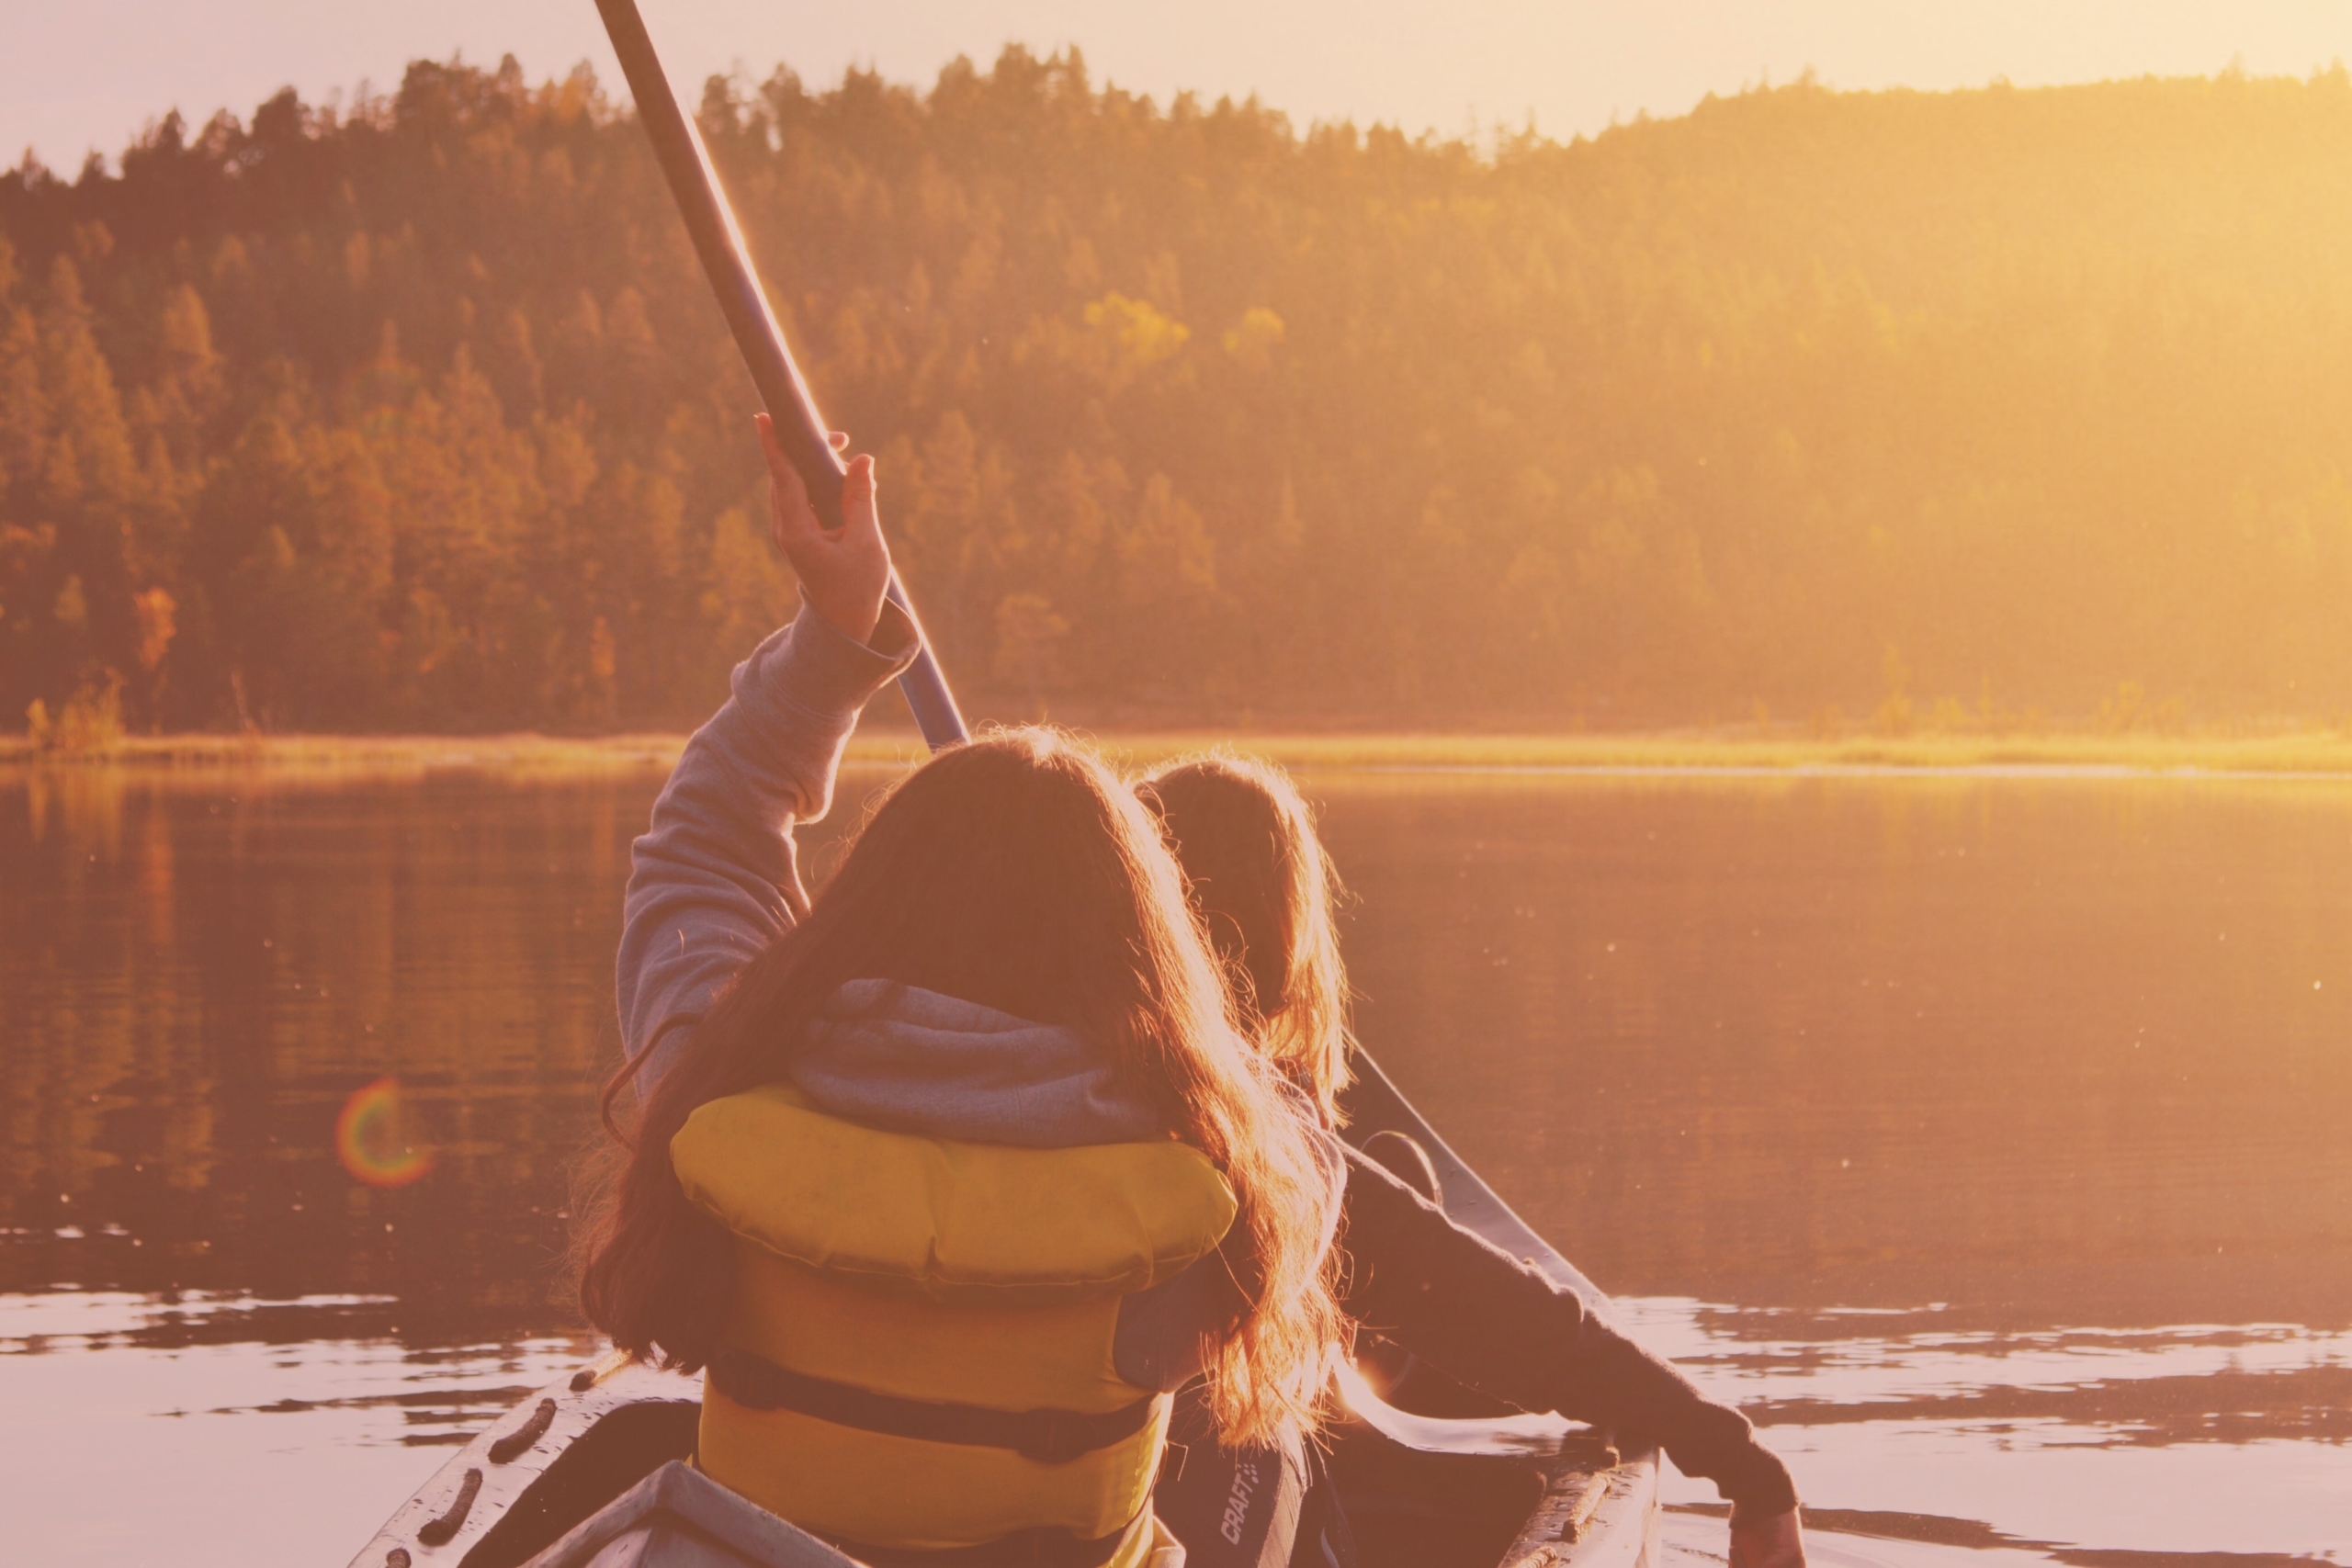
<point x="369" y="1138"/>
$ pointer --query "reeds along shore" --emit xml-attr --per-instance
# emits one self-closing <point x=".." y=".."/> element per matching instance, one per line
<point x="2319" y="753"/>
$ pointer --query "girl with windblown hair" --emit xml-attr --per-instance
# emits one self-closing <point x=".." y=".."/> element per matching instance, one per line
<point x="947" y="1178"/>
<point x="1263" y="890"/>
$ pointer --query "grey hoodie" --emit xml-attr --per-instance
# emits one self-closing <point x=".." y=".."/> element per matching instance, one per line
<point x="900" y="1056"/>
<point x="715" y="878"/>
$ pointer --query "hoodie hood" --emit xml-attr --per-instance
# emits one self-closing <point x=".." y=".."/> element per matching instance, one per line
<point x="915" y="1061"/>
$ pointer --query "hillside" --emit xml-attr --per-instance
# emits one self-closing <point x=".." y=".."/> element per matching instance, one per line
<point x="1989" y="408"/>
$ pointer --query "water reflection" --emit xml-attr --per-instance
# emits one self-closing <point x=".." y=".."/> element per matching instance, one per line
<point x="1919" y="1115"/>
<point x="196" y="973"/>
<point x="230" y="1430"/>
<point x="2053" y="1438"/>
<point x="2050" y="1052"/>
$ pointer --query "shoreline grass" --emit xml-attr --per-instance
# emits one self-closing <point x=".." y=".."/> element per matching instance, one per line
<point x="2310" y="753"/>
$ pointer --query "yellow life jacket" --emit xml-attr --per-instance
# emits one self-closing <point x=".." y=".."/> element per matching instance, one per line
<point x="919" y="1353"/>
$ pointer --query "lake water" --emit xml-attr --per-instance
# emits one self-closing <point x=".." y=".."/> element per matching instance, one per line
<point x="1988" y="1139"/>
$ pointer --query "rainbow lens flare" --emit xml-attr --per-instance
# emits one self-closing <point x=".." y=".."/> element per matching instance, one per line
<point x="371" y="1138"/>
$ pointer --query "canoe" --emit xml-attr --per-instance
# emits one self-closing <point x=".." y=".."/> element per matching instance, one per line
<point x="593" y="1471"/>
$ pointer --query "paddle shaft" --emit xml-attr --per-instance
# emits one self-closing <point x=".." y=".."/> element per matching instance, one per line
<point x="727" y="262"/>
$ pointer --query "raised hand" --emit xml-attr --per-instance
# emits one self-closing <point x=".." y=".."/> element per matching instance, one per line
<point x="844" y="571"/>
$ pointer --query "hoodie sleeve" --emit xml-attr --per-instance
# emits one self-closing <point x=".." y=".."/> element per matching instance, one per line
<point x="1509" y="1330"/>
<point x="716" y="877"/>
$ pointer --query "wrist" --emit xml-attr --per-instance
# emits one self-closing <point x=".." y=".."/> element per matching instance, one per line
<point x="854" y="618"/>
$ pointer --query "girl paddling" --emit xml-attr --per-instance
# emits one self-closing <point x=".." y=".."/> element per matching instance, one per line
<point x="950" y="1176"/>
<point x="1262" y="887"/>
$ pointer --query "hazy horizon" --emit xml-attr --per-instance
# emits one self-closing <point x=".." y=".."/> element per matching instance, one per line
<point x="89" y="78"/>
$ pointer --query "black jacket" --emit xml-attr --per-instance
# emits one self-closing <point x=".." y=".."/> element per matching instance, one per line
<point x="1501" y="1326"/>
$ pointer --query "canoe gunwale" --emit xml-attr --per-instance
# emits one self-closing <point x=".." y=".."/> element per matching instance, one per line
<point x="582" y="1401"/>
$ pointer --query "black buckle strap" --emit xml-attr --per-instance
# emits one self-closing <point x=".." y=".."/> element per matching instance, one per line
<point x="1050" y="1437"/>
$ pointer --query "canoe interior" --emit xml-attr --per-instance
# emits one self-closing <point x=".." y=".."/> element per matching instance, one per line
<point x="621" y="1448"/>
<point x="1420" y="1492"/>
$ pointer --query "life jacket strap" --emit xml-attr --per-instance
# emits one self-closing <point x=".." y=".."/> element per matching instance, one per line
<point x="1050" y="1437"/>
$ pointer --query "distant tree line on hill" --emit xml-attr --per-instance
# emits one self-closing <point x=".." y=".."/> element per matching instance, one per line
<point x="1897" y="407"/>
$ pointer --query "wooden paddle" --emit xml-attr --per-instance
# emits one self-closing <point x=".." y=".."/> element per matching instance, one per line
<point x="727" y="262"/>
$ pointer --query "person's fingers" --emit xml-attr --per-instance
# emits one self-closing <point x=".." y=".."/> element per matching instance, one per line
<point x="839" y="438"/>
<point x="791" y="518"/>
<point x="769" y="448"/>
<point x="857" y="493"/>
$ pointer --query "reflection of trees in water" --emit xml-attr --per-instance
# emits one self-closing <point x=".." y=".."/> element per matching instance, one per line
<point x="199" y="971"/>
<point x="86" y="805"/>
<point x="2049" y="1051"/>
<point x="1795" y="1043"/>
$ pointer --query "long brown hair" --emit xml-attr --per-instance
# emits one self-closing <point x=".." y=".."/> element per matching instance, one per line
<point x="1015" y="871"/>
<point x="1266" y="892"/>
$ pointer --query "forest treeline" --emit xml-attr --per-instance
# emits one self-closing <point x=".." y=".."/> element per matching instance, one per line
<point x="413" y="412"/>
